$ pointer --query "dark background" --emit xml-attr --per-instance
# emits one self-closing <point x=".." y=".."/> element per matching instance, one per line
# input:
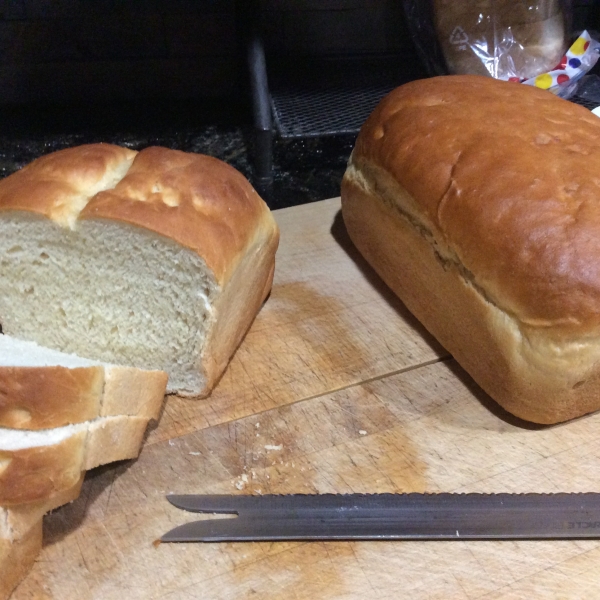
<point x="174" y="73"/>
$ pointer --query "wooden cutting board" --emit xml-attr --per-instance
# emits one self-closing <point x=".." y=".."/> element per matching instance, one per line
<point x="336" y="388"/>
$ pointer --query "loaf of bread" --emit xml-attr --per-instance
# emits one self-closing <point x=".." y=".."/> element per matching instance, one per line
<point x="158" y="260"/>
<point x="478" y="202"/>
<point x="500" y="38"/>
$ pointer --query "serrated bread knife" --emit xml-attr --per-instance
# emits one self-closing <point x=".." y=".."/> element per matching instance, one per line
<point x="389" y="517"/>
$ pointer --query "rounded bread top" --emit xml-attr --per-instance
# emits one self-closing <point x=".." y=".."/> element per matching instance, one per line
<point x="58" y="185"/>
<point x="507" y="176"/>
<point x="197" y="201"/>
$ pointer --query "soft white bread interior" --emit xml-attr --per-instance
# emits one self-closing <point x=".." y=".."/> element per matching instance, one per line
<point x="477" y="201"/>
<point x="158" y="260"/>
<point x="41" y="388"/>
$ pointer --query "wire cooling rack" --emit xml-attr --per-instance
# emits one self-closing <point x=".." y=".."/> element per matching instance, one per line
<point x="342" y="110"/>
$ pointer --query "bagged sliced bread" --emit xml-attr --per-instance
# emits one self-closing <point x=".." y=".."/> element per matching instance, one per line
<point x="157" y="260"/>
<point x="41" y="388"/>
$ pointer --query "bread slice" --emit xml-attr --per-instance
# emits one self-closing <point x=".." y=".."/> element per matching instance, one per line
<point x="21" y="537"/>
<point x="158" y="260"/>
<point x="42" y="470"/>
<point x="17" y="558"/>
<point x="17" y="520"/>
<point x="41" y="388"/>
<point x="35" y="466"/>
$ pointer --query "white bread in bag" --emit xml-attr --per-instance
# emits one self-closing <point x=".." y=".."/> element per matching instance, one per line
<point x="478" y="202"/>
<point x="157" y="260"/>
<point x="500" y="38"/>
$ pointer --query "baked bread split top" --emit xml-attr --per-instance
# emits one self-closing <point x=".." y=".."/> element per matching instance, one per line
<point x="157" y="260"/>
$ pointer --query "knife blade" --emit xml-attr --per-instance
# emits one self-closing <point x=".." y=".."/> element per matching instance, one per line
<point x="412" y="516"/>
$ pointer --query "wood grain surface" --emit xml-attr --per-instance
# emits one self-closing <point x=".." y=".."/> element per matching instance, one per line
<point x="336" y="388"/>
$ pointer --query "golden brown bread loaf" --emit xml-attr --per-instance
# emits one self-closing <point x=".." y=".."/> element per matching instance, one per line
<point x="478" y="202"/>
<point x="158" y="260"/>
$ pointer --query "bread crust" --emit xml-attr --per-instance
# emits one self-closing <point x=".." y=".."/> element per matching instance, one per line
<point x="43" y="397"/>
<point x="40" y="474"/>
<point x="20" y="518"/>
<point x="198" y="201"/>
<point x="490" y="241"/>
<point x="21" y="536"/>
<point x="236" y="308"/>
<point x="17" y="557"/>
<point x="58" y="185"/>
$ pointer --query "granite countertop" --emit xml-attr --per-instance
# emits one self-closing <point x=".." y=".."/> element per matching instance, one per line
<point x="305" y="170"/>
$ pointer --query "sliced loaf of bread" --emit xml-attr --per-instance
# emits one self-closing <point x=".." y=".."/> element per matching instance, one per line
<point x="158" y="260"/>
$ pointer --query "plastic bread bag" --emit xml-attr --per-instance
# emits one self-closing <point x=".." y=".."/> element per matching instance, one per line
<point x="499" y="38"/>
<point x="564" y="79"/>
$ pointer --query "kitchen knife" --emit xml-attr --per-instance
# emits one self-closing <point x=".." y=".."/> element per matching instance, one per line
<point x="411" y="516"/>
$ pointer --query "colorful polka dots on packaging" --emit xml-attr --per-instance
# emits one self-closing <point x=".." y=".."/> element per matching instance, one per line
<point x="578" y="60"/>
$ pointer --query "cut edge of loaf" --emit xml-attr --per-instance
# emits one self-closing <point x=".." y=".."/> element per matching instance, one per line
<point x="164" y="197"/>
<point x="34" y="471"/>
<point x="520" y="368"/>
<point x="54" y="395"/>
